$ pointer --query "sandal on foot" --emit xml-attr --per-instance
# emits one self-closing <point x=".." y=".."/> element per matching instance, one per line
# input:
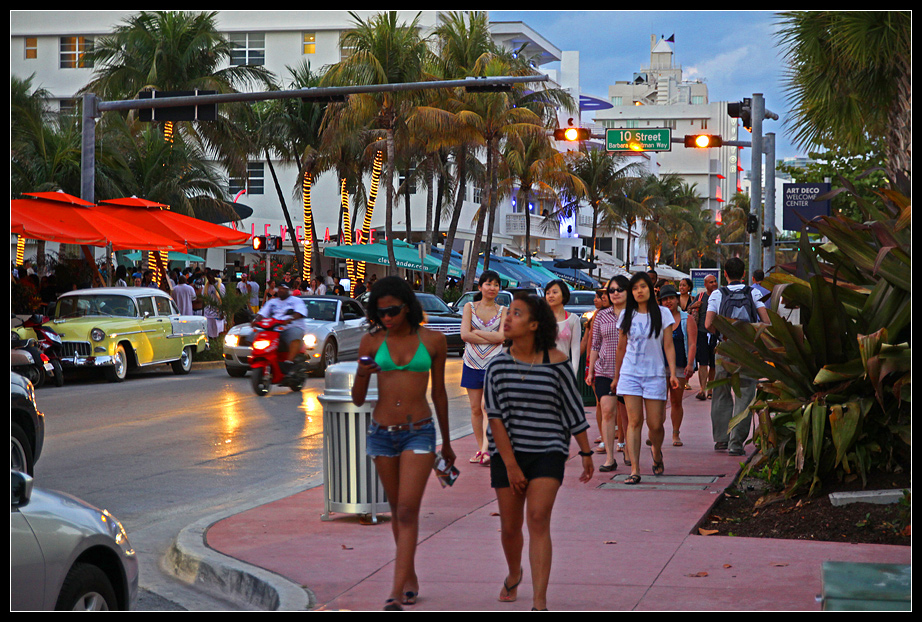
<point x="509" y="598"/>
<point x="700" y="396"/>
<point x="409" y="598"/>
<point x="476" y="457"/>
<point x="658" y="466"/>
<point x="676" y="441"/>
<point x="605" y="468"/>
<point x="632" y="480"/>
<point x="391" y="604"/>
<point x="485" y="459"/>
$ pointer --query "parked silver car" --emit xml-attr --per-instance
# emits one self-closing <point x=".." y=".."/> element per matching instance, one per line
<point x="334" y="328"/>
<point x="66" y="554"/>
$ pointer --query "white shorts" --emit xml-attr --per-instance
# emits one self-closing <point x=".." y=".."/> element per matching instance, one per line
<point x="649" y="388"/>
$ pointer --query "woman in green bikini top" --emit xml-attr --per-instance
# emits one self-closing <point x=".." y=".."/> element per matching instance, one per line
<point x="401" y="438"/>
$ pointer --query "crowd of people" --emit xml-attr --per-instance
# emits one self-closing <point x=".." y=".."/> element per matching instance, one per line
<point x="643" y="345"/>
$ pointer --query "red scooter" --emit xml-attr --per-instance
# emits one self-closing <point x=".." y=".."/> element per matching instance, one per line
<point x="267" y="359"/>
<point x="49" y="343"/>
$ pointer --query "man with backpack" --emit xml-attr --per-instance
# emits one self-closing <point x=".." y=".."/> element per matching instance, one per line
<point x="735" y="301"/>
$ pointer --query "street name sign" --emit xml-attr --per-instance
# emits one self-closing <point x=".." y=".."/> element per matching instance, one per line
<point x="651" y="139"/>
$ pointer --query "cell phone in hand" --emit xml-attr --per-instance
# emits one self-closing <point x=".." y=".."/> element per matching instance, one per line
<point x="446" y="475"/>
<point x="367" y="360"/>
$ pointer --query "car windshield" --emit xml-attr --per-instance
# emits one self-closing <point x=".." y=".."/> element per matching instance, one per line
<point x="323" y="310"/>
<point x="102" y="304"/>
<point x="432" y="304"/>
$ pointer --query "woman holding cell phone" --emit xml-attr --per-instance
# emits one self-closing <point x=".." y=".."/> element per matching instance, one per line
<point x="401" y="438"/>
<point x="534" y="408"/>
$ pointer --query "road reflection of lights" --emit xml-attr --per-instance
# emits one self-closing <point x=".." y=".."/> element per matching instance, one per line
<point x="232" y="417"/>
<point x="313" y="411"/>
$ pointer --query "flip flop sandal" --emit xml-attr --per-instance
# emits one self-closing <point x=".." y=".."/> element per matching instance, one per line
<point x="409" y="598"/>
<point x="633" y="480"/>
<point x="676" y="441"/>
<point x="476" y="458"/>
<point x="658" y="466"/>
<point x="391" y="604"/>
<point x="509" y="588"/>
<point x="700" y="396"/>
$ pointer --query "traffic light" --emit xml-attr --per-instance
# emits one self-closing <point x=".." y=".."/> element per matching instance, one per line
<point x="743" y="111"/>
<point x="767" y="238"/>
<point x="703" y="141"/>
<point x="752" y="223"/>
<point x="572" y="134"/>
<point x="266" y="243"/>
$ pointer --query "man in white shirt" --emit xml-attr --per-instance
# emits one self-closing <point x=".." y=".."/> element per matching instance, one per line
<point x="724" y="405"/>
<point x="250" y="289"/>
<point x="291" y="308"/>
<point x="183" y="294"/>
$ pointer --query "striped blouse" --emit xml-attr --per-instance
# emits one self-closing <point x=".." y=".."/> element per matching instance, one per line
<point x="540" y="412"/>
<point x="477" y="355"/>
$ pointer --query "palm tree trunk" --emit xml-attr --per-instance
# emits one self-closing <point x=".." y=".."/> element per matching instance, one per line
<point x="389" y="215"/>
<point x="491" y="172"/>
<point x="453" y="226"/>
<point x="475" y="251"/>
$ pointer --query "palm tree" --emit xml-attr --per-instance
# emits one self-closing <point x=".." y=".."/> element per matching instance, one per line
<point x="533" y="167"/>
<point x="850" y="78"/>
<point x="603" y="173"/>
<point x="633" y="203"/>
<point x="669" y="217"/>
<point x="383" y="52"/>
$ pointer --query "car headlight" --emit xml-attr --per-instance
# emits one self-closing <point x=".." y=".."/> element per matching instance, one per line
<point x="232" y="340"/>
<point x="310" y="341"/>
<point x="117" y="531"/>
<point x="97" y="334"/>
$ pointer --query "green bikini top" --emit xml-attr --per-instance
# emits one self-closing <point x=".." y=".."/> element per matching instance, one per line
<point x="421" y="361"/>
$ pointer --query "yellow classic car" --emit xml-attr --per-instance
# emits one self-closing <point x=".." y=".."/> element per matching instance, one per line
<point x="118" y="328"/>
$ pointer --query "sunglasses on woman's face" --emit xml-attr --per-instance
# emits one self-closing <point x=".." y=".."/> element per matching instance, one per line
<point x="616" y="290"/>
<point x="390" y="311"/>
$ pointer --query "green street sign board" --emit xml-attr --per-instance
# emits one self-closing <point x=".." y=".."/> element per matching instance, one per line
<point x="651" y="139"/>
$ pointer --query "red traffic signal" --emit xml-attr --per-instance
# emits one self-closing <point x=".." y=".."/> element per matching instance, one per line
<point x="703" y="141"/>
<point x="572" y="134"/>
<point x="266" y="243"/>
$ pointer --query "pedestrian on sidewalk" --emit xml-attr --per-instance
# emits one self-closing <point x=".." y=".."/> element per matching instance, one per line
<point x="684" y="339"/>
<point x="733" y="301"/>
<point x="401" y="438"/>
<point x="601" y="301"/>
<point x="482" y="333"/>
<point x="534" y="408"/>
<point x="557" y="294"/>
<point x="602" y="357"/>
<point x="644" y="357"/>
<point x="704" y="354"/>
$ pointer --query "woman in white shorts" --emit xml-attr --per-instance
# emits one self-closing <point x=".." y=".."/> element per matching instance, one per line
<point x="640" y="370"/>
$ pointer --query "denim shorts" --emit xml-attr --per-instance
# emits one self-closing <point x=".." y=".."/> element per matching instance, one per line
<point x="651" y="388"/>
<point x="382" y="443"/>
<point x="472" y="378"/>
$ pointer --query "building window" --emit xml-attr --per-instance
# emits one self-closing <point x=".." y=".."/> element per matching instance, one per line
<point x="254" y="182"/>
<point x="619" y="248"/>
<point x="31" y="48"/>
<point x="478" y="194"/>
<point x="69" y="107"/>
<point x="249" y="48"/>
<point x="345" y="51"/>
<point x="632" y="123"/>
<point x="617" y="100"/>
<point x="310" y="43"/>
<point x="697" y="100"/>
<point x="411" y="186"/>
<point x="73" y="50"/>
<point x="670" y="123"/>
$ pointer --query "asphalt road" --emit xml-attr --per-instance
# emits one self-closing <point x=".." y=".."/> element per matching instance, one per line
<point x="161" y="451"/>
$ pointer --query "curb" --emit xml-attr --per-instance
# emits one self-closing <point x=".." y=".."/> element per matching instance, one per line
<point x="191" y="561"/>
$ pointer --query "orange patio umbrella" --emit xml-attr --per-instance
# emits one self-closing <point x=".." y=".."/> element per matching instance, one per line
<point x="64" y="218"/>
<point x="157" y="218"/>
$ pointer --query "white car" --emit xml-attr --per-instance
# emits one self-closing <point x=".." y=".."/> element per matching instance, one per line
<point x="66" y="554"/>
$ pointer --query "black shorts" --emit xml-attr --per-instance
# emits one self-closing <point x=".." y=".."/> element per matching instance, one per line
<point x="603" y="388"/>
<point x="704" y="353"/>
<point x="533" y="465"/>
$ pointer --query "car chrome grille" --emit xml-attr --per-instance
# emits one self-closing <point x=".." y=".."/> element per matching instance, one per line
<point x="76" y="348"/>
<point x="447" y="329"/>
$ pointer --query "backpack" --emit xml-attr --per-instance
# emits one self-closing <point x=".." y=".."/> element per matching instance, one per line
<point x="738" y="304"/>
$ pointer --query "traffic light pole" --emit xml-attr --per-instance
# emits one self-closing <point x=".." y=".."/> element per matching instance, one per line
<point x="755" y="195"/>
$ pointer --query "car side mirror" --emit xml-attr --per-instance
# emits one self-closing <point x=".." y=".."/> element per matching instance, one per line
<point x="20" y="488"/>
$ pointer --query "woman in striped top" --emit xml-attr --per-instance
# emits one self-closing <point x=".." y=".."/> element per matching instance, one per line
<point x="482" y="333"/>
<point x="534" y="407"/>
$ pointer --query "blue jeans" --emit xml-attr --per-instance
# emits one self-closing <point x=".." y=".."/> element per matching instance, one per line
<point x="389" y="444"/>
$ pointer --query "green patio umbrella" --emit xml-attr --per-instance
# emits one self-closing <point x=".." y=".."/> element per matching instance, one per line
<point x="406" y="255"/>
<point x="173" y="256"/>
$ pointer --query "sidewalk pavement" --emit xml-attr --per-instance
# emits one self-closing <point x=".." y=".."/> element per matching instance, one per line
<point x="616" y="547"/>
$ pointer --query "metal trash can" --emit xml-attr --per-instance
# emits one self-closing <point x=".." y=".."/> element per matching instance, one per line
<point x="350" y="480"/>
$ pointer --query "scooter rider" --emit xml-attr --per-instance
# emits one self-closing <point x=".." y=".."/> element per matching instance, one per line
<point x="291" y="309"/>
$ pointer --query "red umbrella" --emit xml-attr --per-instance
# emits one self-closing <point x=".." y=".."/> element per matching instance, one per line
<point x="191" y="232"/>
<point x="60" y="217"/>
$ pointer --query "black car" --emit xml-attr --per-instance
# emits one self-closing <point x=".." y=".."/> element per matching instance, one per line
<point x="27" y="425"/>
<point x="440" y="317"/>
